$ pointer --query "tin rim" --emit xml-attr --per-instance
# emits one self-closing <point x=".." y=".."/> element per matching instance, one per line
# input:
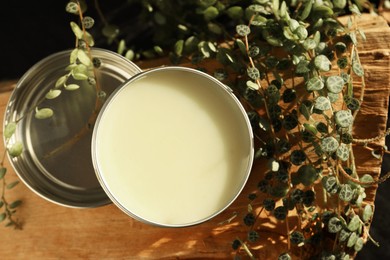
<point x="29" y="166"/>
<point x="216" y="83"/>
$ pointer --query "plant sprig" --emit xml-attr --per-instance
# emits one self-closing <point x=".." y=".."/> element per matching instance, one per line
<point x="9" y="208"/>
<point x="297" y="63"/>
<point x="81" y="68"/>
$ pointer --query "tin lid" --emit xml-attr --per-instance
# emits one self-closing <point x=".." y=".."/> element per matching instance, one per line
<point x="56" y="162"/>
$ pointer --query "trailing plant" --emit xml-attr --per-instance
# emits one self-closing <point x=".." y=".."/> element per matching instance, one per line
<point x="294" y="65"/>
<point x="81" y="69"/>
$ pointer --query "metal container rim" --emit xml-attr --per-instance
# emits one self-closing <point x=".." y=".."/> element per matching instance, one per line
<point x="217" y="83"/>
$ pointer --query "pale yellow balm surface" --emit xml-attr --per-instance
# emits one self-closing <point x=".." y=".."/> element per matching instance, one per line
<point x="172" y="148"/>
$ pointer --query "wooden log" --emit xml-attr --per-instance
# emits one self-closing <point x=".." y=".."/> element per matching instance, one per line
<point x="55" y="232"/>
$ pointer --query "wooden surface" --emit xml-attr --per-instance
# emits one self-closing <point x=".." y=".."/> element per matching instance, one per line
<point x="54" y="232"/>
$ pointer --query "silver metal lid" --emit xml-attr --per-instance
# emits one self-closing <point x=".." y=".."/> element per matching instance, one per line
<point x="56" y="162"/>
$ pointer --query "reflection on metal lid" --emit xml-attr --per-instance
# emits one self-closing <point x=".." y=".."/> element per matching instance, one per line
<point x="56" y="163"/>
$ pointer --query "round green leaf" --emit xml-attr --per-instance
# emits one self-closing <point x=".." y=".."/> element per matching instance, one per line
<point x="297" y="157"/>
<point x="3" y="171"/>
<point x="72" y="7"/>
<point x="293" y="25"/>
<point x="53" y="93"/>
<point x="322" y="10"/>
<point x="333" y="97"/>
<point x="158" y="50"/>
<point x="344" y="235"/>
<point x="241" y="46"/>
<point x="342" y="62"/>
<point x="301" y="32"/>
<point x="354" y="223"/>
<point x="257" y="8"/>
<point x="367" y="213"/>
<point x="305" y="110"/>
<point x="358" y="244"/>
<point x="322" y="63"/>
<point x="43" y="113"/>
<point x="366" y="178"/>
<point x="309" y="44"/>
<point x="210" y="13"/>
<point x="280" y="213"/>
<point x="15" y="204"/>
<point x="335" y="84"/>
<point x="330" y="184"/>
<point x="339" y="4"/>
<point x="259" y="20"/>
<point x="68" y="68"/>
<point x="343" y="152"/>
<point x="16" y="149"/>
<point x="357" y="69"/>
<point x="274" y="41"/>
<point x="178" y="48"/>
<point x="191" y="44"/>
<point x="254" y="51"/>
<point x="89" y="39"/>
<point x="214" y="28"/>
<point x="121" y="46"/>
<point x="88" y="22"/>
<point x="252" y="85"/>
<point x="12" y="184"/>
<point x="9" y="129"/>
<point x="61" y="81"/>
<point x="76" y="30"/>
<point x="329" y="144"/>
<point x="307" y="174"/>
<point x="83" y="58"/>
<point x="306" y="10"/>
<point x="334" y="225"/>
<point x="130" y="55"/>
<point x="289" y="34"/>
<point x="253" y="73"/>
<point x="297" y="238"/>
<point x="346" y="193"/>
<point x="2" y="216"/>
<point x="314" y="84"/>
<point x="235" y="12"/>
<point x="302" y="66"/>
<point x="284" y="256"/>
<point x="243" y="30"/>
<point x="311" y="128"/>
<point x="212" y="47"/>
<point x="343" y="118"/>
<point x="352" y="239"/>
<point x="72" y="87"/>
<point x="322" y="103"/>
<point x="73" y="56"/>
<point x="80" y="72"/>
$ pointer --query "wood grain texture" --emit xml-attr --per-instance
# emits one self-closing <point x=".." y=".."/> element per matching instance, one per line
<point x="55" y="232"/>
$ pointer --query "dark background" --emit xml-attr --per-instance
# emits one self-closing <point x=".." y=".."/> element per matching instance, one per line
<point x="32" y="30"/>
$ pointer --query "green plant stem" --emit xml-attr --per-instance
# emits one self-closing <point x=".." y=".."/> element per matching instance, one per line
<point x="373" y="139"/>
<point x="9" y="214"/>
<point x="288" y="234"/>
<point x="380" y="180"/>
<point x="98" y="104"/>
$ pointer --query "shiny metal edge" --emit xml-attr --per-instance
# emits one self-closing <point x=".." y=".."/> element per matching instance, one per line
<point x="218" y="83"/>
<point x="10" y="114"/>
